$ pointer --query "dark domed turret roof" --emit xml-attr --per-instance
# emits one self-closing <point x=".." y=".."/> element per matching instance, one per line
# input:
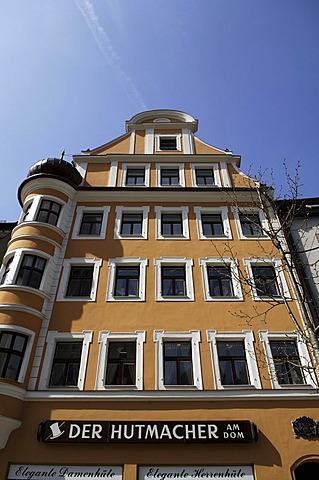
<point x="57" y="168"/>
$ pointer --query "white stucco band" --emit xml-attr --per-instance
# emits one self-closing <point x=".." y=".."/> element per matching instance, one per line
<point x="7" y="425"/>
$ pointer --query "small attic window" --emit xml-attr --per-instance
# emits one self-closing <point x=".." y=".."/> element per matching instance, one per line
<point x="161" y="120"/>
<point x="168" y="142"/>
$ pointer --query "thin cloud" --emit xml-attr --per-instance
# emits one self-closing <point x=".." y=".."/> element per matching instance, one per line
<point x="104" y="43"/>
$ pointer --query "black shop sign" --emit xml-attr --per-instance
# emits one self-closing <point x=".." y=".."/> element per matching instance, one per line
<point x="61" y="431"/>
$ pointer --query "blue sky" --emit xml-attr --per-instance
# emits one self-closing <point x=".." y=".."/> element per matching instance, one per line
<point x="72" y="72"/>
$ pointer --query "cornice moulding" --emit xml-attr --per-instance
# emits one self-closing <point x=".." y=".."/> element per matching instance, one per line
<point x="162" y="194"/>
<point x="187" y="396"/>
<point x="35" y="184"/>
<point x="159" y="157"/>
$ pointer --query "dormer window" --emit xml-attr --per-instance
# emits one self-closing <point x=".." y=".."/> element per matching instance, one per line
<point x="168" y="143"/>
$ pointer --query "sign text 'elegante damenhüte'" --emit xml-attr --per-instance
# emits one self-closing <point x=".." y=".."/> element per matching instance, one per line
<point x="57" y="431"/>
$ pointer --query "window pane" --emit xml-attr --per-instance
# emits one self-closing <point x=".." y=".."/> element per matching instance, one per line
<point x="220" y="281"/>
<point x="121" y="363"/>
<point x="126" y="281"/>
<point x="186" y="372"/>
<point x="129" y="374"/>
<point x="13" y="367"/>
<point x="72" y="374"/>
<point x="178" y="363"/>
<point x="3" y="358"/>
<point x="66" y="364"/>
<point x="232" y="363"/>
<point x="265" y="281"/>
<point x="168" y="143"/>
<point x="91" y="224"/>
<point x="80" y="282"/>
<point x="250" y="225"/>
<point x="57" y="374"/>
<point x="287" y="362"/>
<point x="204" y="177"/>
<point x="6" y="339"/>
<point x="170" y="373"/>
<point x="113" y="374"/>
<point x="212" y="224"/>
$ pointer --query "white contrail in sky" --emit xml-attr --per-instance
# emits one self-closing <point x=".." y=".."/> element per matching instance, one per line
<point x="104" y="43"/>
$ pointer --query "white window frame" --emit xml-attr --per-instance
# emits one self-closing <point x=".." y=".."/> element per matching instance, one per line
<point x="254" y="211"/>
<point x="17" y="255"/>
<point x="35" y="202"/>
<point x="119" y="210"/>
<point x="145" y="166"/>
<point x="223" y="211"/>
<point x="183" y="210"/>
<point x="28" y="333"/>
<point x="235" y="278"/>
<point x="105" y="338"/>
<point x="200" y="166"/>
<point x="80" y="211"/>
<point x="247" y="337"/>
<point x="78" y="262"/>
<point x="172" y="166"/>
<point x="177" y="262"/>
<point x="280" y="277"/>
<point x="194" y="337"/>
<point x="266" y="337"/>
<point x="177" y="136"/>
<point x="53" y="337"/>
<point x="142" y="263"/>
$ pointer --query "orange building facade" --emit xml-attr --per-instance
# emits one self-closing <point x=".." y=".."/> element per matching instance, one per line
<point x="142" y="332"/>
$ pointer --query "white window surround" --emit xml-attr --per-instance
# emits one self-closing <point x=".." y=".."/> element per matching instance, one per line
<point x="145" y="166"/>
<point x="28" y="333"/>
<point x="127" y="262"/>
<point x="105" y="338"/>
<point x="177" y="136"/>
<point x="174" y="261"/>
<point x="223" y="211"/>
<point x="194" y="337"/>
<point x="172" y="166"/>
<point x="235" y="279"/>
<point x="80" y="211"/>
<point x="53" y="337"/>
<point x="247" y="337"/>
<point x="266" y="337"/>
<point x="118" y="222"/>
<point x="255" y="211"/>
<point x="35" y="202"/>
<point x="159" y="210"/>
<point x="200" y="166"/>
<point x="78" y="262"/>
<point x="17" y="255"/>
<point x="280" y="276"/>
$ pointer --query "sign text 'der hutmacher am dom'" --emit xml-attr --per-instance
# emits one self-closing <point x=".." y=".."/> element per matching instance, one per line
<point x="57" y="431"/>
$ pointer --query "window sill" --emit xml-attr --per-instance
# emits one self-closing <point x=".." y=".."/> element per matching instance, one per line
<point x="173" y="237"/>
<point x="130" y="237"/>
<point x="125" y="299"/>
<point x="75" y="299"/>
<point x="236" y="387"/>
<point x="88" y="237"/>
<point x="178" y="387"/>
<point x="295" y="386"/>
<point x="174" y="299"/>
<point x="263" y="237"/>
<point x="224" y="299"/>
<point x="274" y="299"/>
